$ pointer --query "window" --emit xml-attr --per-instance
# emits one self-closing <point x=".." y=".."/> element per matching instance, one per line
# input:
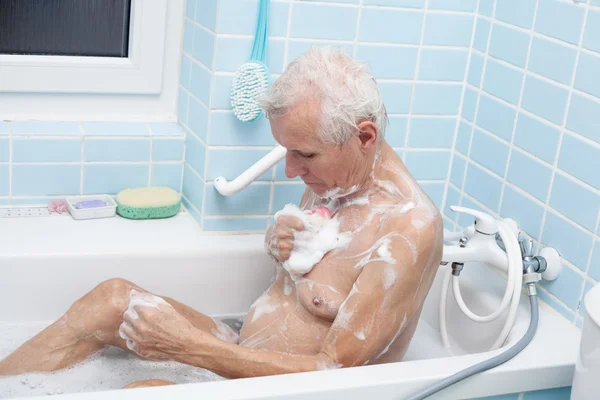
<point x="65" y="27"/>
<point x="91" y="56"/>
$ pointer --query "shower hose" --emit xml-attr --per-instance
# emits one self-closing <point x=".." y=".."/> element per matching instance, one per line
<point x="494" y="361"/>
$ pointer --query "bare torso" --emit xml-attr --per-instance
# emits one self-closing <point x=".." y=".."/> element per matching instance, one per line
<point x="296" y="316"/>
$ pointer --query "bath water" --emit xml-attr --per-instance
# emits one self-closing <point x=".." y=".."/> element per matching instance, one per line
<point x="109" y="369"/>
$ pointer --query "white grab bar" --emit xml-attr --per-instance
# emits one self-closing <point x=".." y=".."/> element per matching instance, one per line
<point x="248" y="176"/>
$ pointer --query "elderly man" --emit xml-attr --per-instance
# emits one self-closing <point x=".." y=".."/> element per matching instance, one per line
<point x="358" y="305"/>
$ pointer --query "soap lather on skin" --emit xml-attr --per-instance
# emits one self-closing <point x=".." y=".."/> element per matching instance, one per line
<point x="320" y="235"/>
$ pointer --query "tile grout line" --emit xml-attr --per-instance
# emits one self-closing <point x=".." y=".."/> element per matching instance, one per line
<point x="415" y="77"/>
<point x="81" y="178"/>
<point x="460" y="111"/>
<point x="285" y="62"/>
<point x="357" y="29"/>
<point x="519" y="102"/>
<point x="563" y="125"/>
<point x="476" y="114"/>
<point x="208" y="123"/>
<point x="183" y="160"/>
<point x="150" y="155"/>
<point x="10" y="163"/>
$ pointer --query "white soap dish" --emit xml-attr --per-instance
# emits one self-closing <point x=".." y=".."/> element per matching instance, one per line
<point x="92" y="210"/>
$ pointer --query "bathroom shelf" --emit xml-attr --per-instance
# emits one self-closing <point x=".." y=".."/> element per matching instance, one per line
<point x="25" y="212"/>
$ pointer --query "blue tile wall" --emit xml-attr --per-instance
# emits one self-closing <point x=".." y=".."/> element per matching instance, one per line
<point x="436" y="99"/>
<point x="442" y="65"/>
<point x="482" y="31"/>
<point x="489" y="152"/>
<point x="552" y="60"/>
<point x="57" y="128"/>
<point x="529" y="174"/>
<point x="116" y="150"/>
<point x="390" y="62"/>
<point x="432" y="132"/>
<point x="429" y="165"/>
<point x="576" y="201"/>
<point x="239" y="16"/>
<point x="111" y="178"/>
<point x="509" y="45"/>
<point x="502" y="81"/>
<point x="538" y="138"/>
<point x="587" y="74"/>
<point x="469" y="104"/>
<point x="326" y="22"/>
<point x="203" y="46"/>
<point x="545" y="99"/>
<point x="453" y="5"/>
<point x="545" y="107"/>
<point x="448" y="30"/>
<point x="396" y="132"/>
<point x="475" y="70"/>
<point x="560" y="20"/>
<point x="526" y="211"/>
<point x="516" y="12"/>
<point x="496" y="117"/>
<point x="380" y="25"/>
<point x="581" y="159"/>
<point x="483" y="186"/>
<point x="592" y="31"/>
<point x="44" y="180"/>
<point x="54" y="159"/>
<point x="457" y="173"/>
<point x="463" y="138"/>
<point x="168" y="175"/>
<point x="46" y="150"/>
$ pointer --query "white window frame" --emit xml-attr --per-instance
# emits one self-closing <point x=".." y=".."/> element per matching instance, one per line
<point x="112" y="88"/>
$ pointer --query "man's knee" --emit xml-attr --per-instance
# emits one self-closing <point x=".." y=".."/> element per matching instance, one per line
<point x="110" y="296"/>
<point x="115" y="287"/>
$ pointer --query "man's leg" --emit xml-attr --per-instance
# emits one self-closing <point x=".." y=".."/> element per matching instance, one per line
<point x="92" y="322"/>
<point x="148" y="383"/>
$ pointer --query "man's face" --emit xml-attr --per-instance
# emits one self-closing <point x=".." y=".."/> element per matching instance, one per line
<point x="321" y="166"/>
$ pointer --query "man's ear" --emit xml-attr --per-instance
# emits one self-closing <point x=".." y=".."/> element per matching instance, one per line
<point x="368" y="135"/>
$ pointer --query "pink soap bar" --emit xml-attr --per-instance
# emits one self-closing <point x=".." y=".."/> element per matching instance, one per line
<point x="322" y="212"/>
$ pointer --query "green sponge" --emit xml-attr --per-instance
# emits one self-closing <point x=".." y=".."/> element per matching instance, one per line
<point x="148" y="203"/>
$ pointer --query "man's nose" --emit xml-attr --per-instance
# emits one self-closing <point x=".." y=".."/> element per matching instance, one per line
<point x="293" y="168"/>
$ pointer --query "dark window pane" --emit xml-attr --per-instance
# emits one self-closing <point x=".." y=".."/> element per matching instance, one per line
<point x="65" y="27"/>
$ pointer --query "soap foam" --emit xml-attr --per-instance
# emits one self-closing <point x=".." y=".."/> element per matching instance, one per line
<point x="287" y="286"/>
<point x="360" y="335"/>
<point x="141" y="300"/>
<point x="319" y="236"/>
<point x="389" y="277"/>
<point x="337" y="192"/>
<point x="263" y="306"/>
<point x="225" y="333"/>
<point x="109" y="369"/>
<point x="324" y="365"/>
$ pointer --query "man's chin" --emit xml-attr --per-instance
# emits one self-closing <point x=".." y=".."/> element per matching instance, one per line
<point x="317" y="188"/>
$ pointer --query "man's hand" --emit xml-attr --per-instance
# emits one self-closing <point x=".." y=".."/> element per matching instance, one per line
<point x="280" y="238"/>
<point x="153" y="329"/>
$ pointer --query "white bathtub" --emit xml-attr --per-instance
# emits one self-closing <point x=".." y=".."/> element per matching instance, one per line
<point x="47" y="263"/>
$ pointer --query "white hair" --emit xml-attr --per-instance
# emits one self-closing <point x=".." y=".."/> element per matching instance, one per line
<point x="346" y="89"/>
